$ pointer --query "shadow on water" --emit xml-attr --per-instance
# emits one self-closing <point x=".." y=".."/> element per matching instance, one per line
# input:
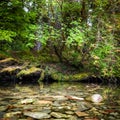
<point x="34" y="81"/>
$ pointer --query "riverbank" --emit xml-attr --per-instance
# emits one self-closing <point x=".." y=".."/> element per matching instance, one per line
<point x="33" y="69"/>
<point x="25" y="71"/>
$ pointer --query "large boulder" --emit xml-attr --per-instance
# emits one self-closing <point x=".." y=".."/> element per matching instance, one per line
<point x="31" y="73"/>
<point x="13" y="70"/>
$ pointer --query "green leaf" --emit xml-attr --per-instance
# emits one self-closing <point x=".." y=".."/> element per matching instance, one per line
<point x="7" y="35"/>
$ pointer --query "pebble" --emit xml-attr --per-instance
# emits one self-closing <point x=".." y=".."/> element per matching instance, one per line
<point x="37" y="115"/>
<point x="111" y="118"/>
<point x="3" y="108"/>
<point x="12" y="114"/>
<point x="27" y="101"/>
<point x="114" y="114"/>
<point x="84" y="106"/>
<point x="96" y="98"/>
<point x="81" y="114"/>
<point x="58" y="115"/>
<point x="69" y="112"/>
<point x="1" y="114"/>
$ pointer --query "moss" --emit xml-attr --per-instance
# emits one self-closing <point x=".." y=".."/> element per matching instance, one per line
<point x="40" y="56"/>
<point x="60" y="76"/>
<point x="42" y="76"/>
<point x="80" y="76"/>
<point x="75" y="77"/>
<point x="67" y="78"/>
<point x="57" y="76"/>
<point x="10" y="69"/>
<point x="7" y="60"/>
<point x="32" y="70"/>
<point x="28" y="71"/>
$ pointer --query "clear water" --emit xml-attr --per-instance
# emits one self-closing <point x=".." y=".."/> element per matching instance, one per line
<point x="107" y="109"/>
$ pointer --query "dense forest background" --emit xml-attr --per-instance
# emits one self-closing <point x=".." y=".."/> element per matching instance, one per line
<point x="81" y="33"/>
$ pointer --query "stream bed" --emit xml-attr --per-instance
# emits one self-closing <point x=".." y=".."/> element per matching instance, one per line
<point x="60" y="101"/>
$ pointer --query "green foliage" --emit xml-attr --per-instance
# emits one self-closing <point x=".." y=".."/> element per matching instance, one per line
<point x="44" y="35"/>
<point x="116" y="67"/>
<point x="49" y="34"/>
<point x="82" y="33"/>
<point x="16" y="26"/>
<point x="76" y="35"/>
<point x="103" y="56"/>
<point x="6" y="35"/>
<point x="101" y="3"/>
<point x="30" y="36"/>
<point x="71" y="11"/>
<point x="71" y="7"/>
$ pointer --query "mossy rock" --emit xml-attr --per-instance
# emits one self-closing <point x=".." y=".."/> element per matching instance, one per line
<point x="33" y="71"/>
<point x="11" y="69"/>
<point x="8" y="61"/>
<point x="28" y="71"/>
<point x="74" y="77"/>
<point x="59" y="76"/>
<point x="80" y="76"/>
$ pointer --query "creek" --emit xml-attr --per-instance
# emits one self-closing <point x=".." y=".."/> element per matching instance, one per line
<point x="59" y="101"/>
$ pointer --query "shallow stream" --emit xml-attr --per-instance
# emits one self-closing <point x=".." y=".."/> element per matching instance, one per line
<point x="60" y="101"/>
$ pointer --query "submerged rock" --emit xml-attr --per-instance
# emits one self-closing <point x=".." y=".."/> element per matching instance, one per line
<point x="73" y="118"/>
<point x="27" y="101"/>
<point x="60" y="98"/>
<point x="3" y="108"/>
<point x="74" y="98"/>
<point x="13" y="114"/>
<point x="81" y="114"/>
<point x="43" y="102"/>
<point x="1" y="114"/>
<point x="84" y="106"/>
<point x="37" y="115"/>
<point x="59" y="115"/>
<point x="96" y="98"/>
<point x="69" y="112"/>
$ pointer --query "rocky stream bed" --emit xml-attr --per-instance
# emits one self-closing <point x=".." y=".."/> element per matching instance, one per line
<point x="68" y="100"/>
<point x="59" y="101"/>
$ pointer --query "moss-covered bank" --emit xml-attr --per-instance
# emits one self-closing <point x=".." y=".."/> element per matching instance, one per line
<point x="12" y="68"/>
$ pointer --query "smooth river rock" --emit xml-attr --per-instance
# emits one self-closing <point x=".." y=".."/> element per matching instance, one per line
<point x="37" y="115"/>
<point x="59" y="115"/>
